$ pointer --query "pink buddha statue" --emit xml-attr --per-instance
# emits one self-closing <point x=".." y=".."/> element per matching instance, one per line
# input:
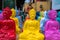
<point x="52" y="27"/>
<point x="7" y="26"/>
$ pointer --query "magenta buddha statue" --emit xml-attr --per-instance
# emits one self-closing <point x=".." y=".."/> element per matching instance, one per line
<point x="7" y="26"/>
<point x="52" y="27"/>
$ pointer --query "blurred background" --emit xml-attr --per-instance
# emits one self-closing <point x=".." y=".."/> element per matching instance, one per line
<point x="24" y="3"/>
<point x="23" y="6"/>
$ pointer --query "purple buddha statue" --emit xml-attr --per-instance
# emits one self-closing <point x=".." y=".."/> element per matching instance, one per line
<point x="52" y="27"/>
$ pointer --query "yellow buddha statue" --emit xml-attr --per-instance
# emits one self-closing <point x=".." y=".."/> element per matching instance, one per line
<point x="16" y="20"/>
<point x="31" y="28"/>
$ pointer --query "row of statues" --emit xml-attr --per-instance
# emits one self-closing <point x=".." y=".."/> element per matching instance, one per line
<point x="50" y="26"/>
<point x="47" y="28"/>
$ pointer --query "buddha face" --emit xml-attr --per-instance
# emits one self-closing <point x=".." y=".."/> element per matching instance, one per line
<point x="13" y="12"/>
<point x="52" y="14"/>
<point x="32" y="14"/>
<point x="6" y="13"/>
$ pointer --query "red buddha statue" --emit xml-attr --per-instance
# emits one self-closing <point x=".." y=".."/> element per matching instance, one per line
<point x="7" y="26"/>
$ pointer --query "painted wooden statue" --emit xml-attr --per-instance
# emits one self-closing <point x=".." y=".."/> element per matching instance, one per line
<point x="52" y="27"/>
<point x="7" y="26"/>
<point x="16" y="20"/>
<point x="31" y="28"/>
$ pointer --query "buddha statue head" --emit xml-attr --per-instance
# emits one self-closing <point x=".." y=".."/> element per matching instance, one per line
<point x="13" y="12"/>
<point x="52" y="14"/>
<point x="42" y="14"/>
<point x="6" y="13"/>
<point x="32" y="14"/>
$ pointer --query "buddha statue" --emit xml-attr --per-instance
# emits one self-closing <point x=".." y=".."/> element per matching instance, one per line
<point x="31" y="28"/>
<point x="16" y="20"/>
<point x="43" y="20"/>
<point x="52" y="27"/>
<point x="7" y="26"/>
<point x="58" y="18"/>
<point x="19" y="18"/>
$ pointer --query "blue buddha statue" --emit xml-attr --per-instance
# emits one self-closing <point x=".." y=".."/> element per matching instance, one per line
<point x="58" y="18"/>
<point x="43" y="20"/>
